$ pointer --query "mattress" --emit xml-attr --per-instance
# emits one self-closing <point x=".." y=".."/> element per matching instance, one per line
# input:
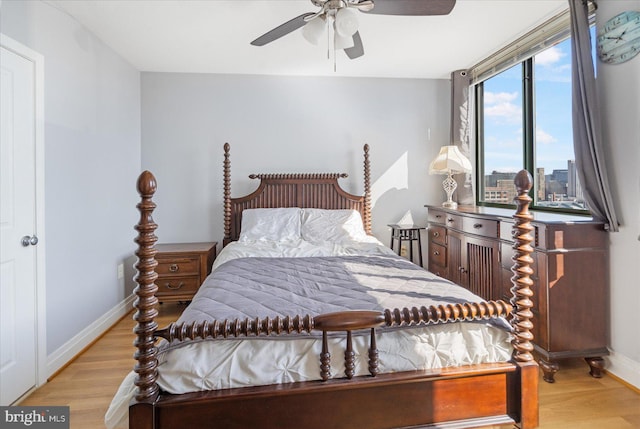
<point x="298" y="278"/>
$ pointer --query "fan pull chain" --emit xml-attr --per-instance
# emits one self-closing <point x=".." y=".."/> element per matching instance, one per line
<point x="328" y="39"/>
<point x="335" y="68"/>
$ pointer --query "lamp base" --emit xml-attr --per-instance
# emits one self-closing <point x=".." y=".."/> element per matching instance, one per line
<point x="449" y="184"/>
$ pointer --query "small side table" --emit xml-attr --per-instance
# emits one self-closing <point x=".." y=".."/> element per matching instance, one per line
<point x="409" y="233"/>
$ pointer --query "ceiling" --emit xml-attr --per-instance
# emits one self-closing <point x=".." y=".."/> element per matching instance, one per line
<point x="212" y="36"/>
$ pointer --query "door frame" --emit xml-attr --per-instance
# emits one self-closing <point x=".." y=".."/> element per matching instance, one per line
<point x="40" y="293"/>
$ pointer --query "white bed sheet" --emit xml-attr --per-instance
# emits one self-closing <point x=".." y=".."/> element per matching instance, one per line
<point x="209" y="365"/>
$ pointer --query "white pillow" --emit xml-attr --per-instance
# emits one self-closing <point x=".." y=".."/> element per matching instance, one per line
<point x="337" y="226"/>
<point x="278" y="224"/>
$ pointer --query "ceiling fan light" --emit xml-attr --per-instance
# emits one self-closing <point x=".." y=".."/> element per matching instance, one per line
<point x="342" y="42"/>
<point x="314" y="29"/>
<point x="346" y="22"/>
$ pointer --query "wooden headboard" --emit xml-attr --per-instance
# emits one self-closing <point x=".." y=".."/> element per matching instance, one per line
<point x="304" y="190"/>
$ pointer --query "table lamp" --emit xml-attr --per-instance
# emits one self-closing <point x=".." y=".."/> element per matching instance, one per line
<point x="450" y="161"/>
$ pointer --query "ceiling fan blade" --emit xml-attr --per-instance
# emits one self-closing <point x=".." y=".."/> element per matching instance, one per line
<point x="282" y="30"/>
<point x="357" y="50"/>
<point x="413" y="7"/>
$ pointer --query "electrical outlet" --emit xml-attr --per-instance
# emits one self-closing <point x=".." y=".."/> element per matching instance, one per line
<point x="403" y="251"/>
<point x="120" y="271"/>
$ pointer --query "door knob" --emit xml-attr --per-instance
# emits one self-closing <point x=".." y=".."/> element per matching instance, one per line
<point x="26" y="240"/>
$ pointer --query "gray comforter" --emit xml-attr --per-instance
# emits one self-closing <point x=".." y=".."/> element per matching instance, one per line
<point x="261" y="287"/>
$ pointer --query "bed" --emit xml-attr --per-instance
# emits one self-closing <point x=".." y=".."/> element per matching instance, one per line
<point x="326" y="328"/>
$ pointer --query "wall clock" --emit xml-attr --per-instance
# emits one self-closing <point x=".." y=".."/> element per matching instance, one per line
<point x="619" y="39"/>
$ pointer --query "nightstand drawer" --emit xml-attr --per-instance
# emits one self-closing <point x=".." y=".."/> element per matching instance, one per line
<point x="179" y="266"/>
<point x="177" y="285"/>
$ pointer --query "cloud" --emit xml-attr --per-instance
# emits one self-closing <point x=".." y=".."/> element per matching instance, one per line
<point x="544" y="137"/>
<point x="499" y="97"/>
<point x="499" y="105"/>
<point x="553" y="64"/>
<point x="549" y="56"/>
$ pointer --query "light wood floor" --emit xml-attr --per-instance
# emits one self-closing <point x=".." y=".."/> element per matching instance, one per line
<point x="87" y="385"/>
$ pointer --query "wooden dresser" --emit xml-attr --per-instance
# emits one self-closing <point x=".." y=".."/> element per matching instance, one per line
<point x="182" y="267"/>
<point x="472" y="246"/>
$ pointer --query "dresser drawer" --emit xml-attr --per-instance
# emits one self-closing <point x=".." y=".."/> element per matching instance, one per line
<point x="437" y="234"/>
<point x="437" y="254"/>
<point x="438" y="270"/>
<point x="506" y="232"/>
<point x="453" y="221"/>
<point x="483" y="227"/>
<point x="507" y="253"/>
<point x="183" y="265"/>
<point x="177" y="285"/>
<point x="436" y="216"/>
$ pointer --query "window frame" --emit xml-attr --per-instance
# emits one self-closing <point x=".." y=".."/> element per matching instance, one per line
<point x="486" y="70"/>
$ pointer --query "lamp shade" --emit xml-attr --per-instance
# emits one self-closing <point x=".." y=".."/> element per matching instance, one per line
<point x="450" y="160"/>
<point x="342" y="42"/>
<point x="314" y="30"/>
<point x="346" y="22"/>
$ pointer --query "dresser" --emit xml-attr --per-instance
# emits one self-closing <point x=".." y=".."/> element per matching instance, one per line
<point x="182" y="267"/>
<point x="472" y="246"/>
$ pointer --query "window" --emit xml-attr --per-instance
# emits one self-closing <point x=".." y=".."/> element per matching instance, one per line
<point x="523" y="120"/>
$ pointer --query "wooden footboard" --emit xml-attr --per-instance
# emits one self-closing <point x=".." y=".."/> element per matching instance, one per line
<point x="467" y="396"/>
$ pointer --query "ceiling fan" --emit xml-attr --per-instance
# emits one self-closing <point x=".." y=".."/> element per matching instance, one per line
<point x="341" y="15"/>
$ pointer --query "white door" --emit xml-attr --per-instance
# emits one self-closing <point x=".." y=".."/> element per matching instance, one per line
<point x="18" y="226"/>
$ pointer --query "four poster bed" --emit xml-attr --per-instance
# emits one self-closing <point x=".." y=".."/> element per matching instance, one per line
<point x="307" y="321"/>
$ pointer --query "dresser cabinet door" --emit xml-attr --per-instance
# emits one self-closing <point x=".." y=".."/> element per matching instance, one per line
<point x="456" y="265"/>
<point x="481" y="269"/>
<point x="473" y="263"/>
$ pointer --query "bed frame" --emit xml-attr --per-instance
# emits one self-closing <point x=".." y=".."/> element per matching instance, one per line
<point x="457" y="397"/>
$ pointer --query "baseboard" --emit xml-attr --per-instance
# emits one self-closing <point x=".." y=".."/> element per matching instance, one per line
<point x="72" y="348"/>
<point x="623" y="368"/>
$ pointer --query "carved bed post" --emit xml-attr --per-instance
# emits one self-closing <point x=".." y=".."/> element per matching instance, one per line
<point x="227" y="196"/>
<point x="367" y="191"/>
<point x="146" y="302"/>
<point x="521" y="290"/>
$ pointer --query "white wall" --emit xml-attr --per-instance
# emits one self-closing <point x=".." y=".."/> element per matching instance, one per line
<point x="288" y="124"/>
<point x="619" y="91"/>
<point x="92" y="158"/>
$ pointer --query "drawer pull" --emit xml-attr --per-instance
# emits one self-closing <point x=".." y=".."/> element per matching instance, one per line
<point x="438" y="216"/>
<point x="436" y="234"/>
<point x="436" y="253"/>
<point x="477" y="225"/>
<point x="462" y="270"/>
<point x="174" y="268"/>
<point x="450" y="220"/>
<point x="168" y="286"/>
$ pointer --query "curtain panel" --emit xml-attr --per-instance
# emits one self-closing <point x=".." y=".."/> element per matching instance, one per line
<point x="587" y="133"/>
<point x="460" y="132"/>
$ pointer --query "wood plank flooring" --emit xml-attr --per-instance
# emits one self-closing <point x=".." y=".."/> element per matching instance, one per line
<point x="575" y="400"/>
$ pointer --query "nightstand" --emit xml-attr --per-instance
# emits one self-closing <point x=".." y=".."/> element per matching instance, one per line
<point x="182" y="268"/>
<point x="408" y="233"/>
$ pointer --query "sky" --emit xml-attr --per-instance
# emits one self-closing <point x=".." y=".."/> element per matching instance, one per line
<point x="503" y="113"/>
